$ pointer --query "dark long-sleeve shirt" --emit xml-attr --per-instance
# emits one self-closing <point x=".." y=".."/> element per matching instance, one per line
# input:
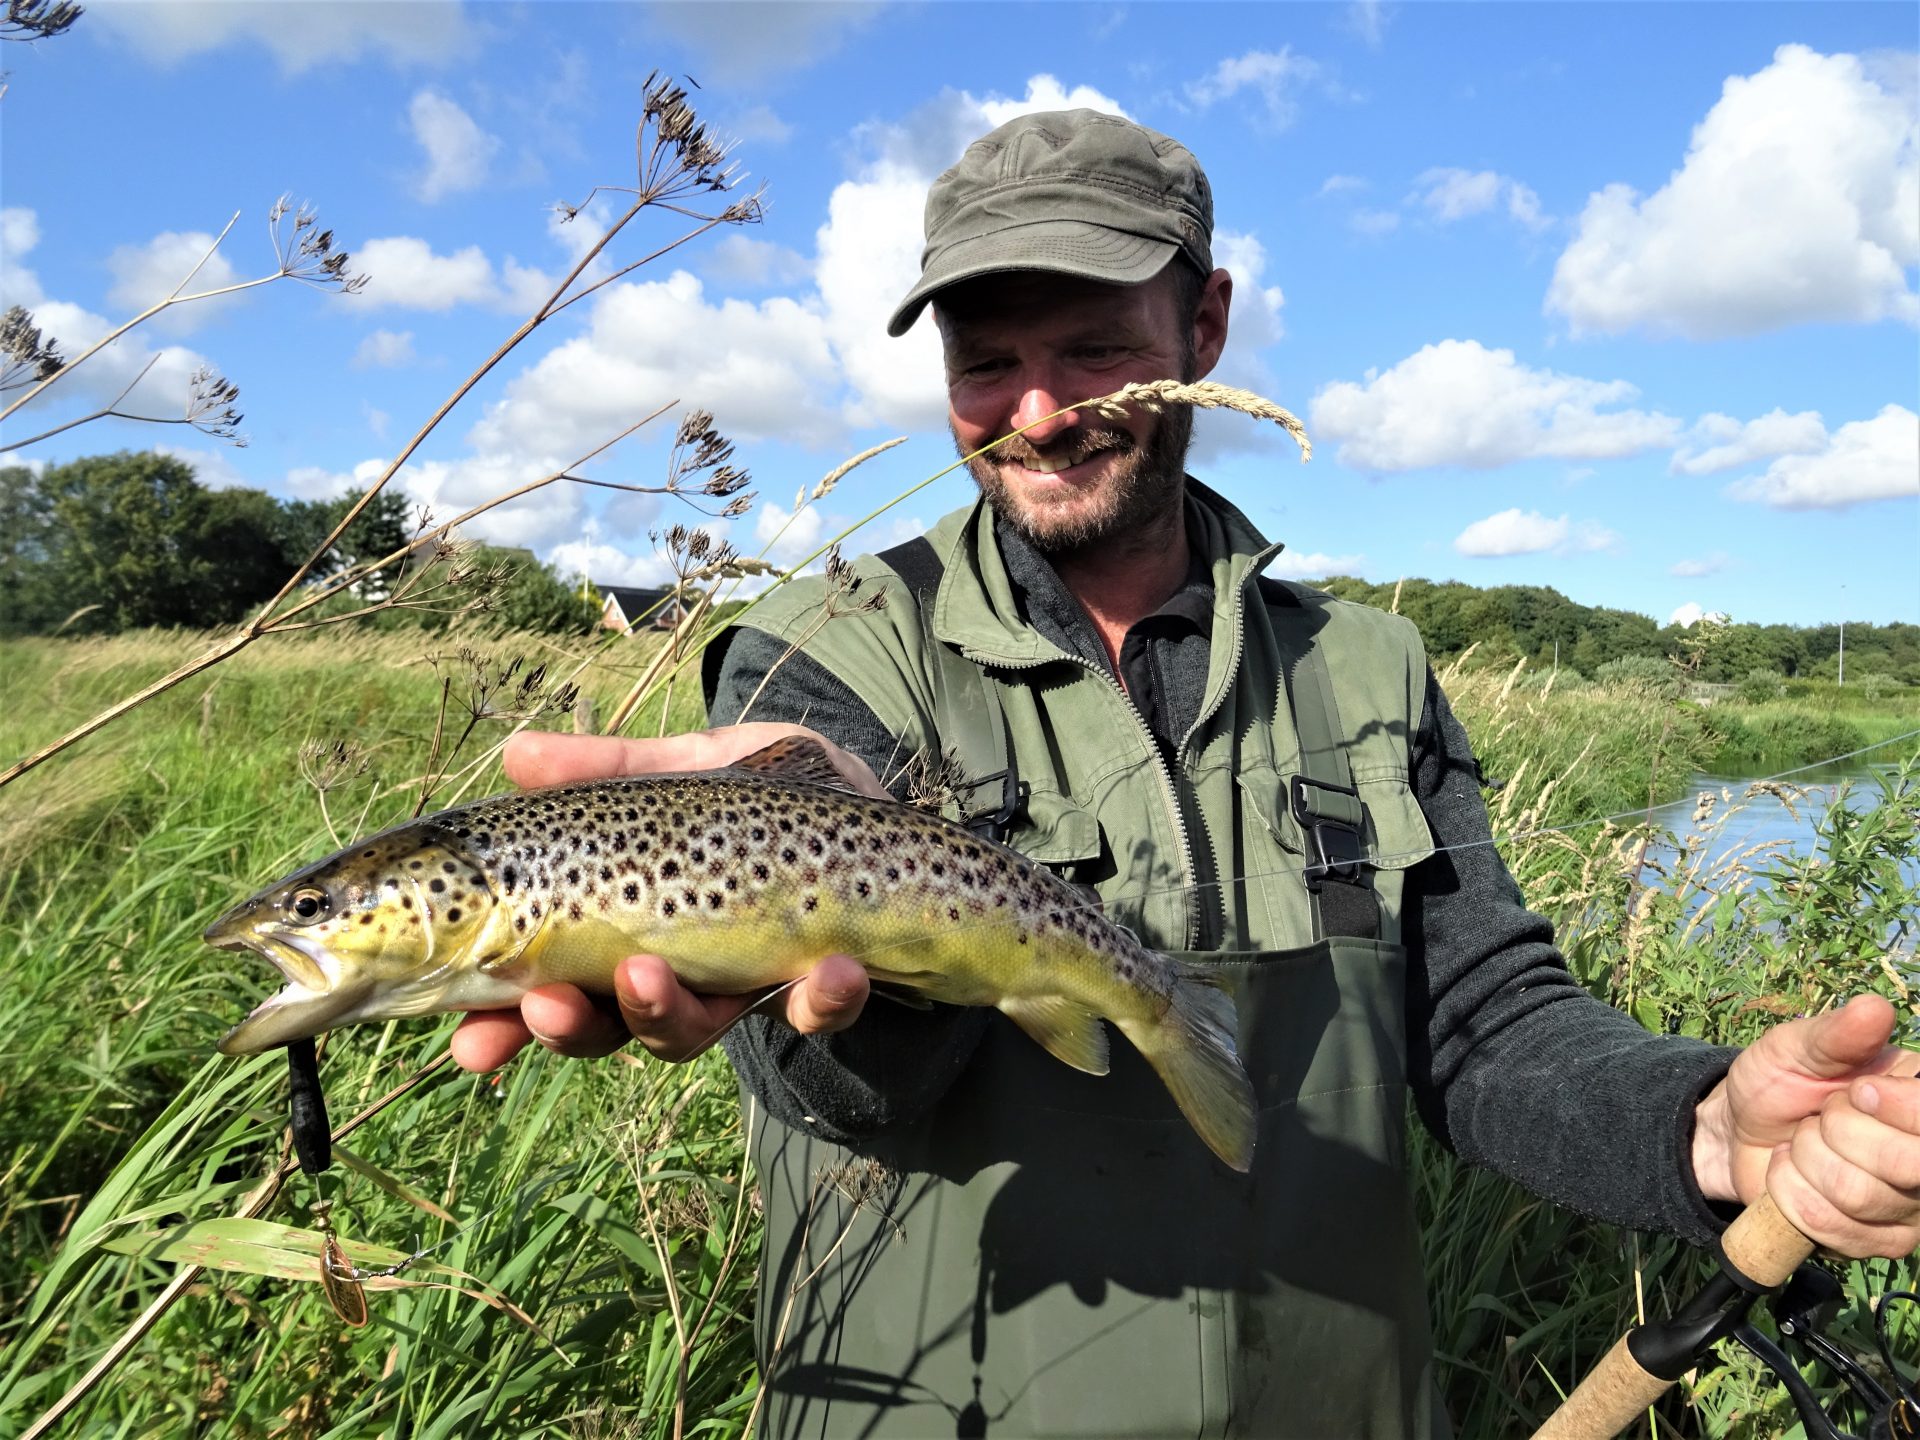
<point x="1512" y="1064"/>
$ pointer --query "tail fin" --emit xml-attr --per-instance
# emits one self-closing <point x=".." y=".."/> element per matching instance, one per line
<point x="1192" y="1049"/>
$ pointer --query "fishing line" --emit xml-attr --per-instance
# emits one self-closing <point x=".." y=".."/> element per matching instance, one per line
<point x="1638" y="813"/>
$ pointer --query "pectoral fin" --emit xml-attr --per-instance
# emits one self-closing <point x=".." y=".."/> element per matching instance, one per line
<point x="1069" y="1032"/>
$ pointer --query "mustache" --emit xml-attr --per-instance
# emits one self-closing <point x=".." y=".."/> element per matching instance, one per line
<point x="1073" y="447"/>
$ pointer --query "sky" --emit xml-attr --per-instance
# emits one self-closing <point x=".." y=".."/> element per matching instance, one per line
<point x="1621" y="299"/>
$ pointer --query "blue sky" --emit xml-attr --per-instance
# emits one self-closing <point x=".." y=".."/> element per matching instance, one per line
<point x="1615" y="298"/>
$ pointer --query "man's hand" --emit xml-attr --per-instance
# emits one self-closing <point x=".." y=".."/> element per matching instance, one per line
<point x="1824" y="1115"/>
<point x="649" y="1003"/>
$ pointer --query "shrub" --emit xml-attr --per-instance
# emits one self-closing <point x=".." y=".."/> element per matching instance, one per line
<point x="1762" y="685"/>
<point x="1640" y="672"/>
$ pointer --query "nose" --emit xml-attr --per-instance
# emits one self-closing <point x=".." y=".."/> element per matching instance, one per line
<point x="1040" y="397"/>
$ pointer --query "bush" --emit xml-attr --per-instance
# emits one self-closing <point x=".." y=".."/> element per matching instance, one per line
<point x="1640" y="672"/>
<point x="1761" y="686"/>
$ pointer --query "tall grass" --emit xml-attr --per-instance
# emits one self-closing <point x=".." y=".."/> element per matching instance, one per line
<point x="604" y="1238"/>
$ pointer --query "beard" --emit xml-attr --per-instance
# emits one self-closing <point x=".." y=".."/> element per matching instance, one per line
<point x="1140" y="491"/>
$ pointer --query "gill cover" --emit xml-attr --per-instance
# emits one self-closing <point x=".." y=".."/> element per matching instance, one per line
<point x="376" y="931"/>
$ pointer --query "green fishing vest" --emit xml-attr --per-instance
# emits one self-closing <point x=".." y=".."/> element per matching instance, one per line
<point x="1049" y="1253"/>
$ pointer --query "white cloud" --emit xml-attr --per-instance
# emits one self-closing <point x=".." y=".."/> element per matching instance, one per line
<point x="792" y="535"/>
<point x="383" y="348"/>
<point x="1528" y="532"/>
<point x="751" y="39"/>
<point x="1256" y="308"/>
<point x="458" y="151"/>
<point x="1374" y="222"/>
<point x="1449" y="194"/>
<point x="758" y="124"/>
<point x="1459" y="403"/>
<point x="606" y="563"/>
<point x="403" y="271"/>
<point x="1696" y="567"/>
<point x="144" y="274"/>
<point x="740" y="260"/>
<point x="1335" y="184"/>
<point x="1367" y="19"/>
<point x="19" y="232"/>
<point x="1044" y="92"/>
<point x="1314" y="565"/>
<point x="1720" y="442"/>
<point x="1690" y="614"/>
<point x="1798" y="201"/>
<point x="316" y="482"/>
<point x="1277" y="76"/>
<point x="299" y="33"/>
<point x="1877" y="459"/>
<point x="213" y="468"/>
<point x="163" y="376"/>
<point x="764" y="370"/>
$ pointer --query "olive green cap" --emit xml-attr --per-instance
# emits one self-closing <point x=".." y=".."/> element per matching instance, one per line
<point x="1072" y="191"/>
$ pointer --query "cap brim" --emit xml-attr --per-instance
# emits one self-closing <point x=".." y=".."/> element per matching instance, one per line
<point x="1065" y="247"/>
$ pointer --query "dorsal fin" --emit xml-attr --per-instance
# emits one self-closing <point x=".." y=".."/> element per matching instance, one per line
<point x="795" y="758"/>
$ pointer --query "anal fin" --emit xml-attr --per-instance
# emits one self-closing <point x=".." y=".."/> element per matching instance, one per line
<point x="1070" y="1033"/>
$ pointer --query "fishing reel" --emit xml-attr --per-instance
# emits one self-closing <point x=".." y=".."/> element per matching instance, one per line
<point x="1810" y="1300"/>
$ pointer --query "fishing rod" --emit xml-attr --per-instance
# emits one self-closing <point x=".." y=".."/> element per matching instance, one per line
<point x="1761" y="1254"/>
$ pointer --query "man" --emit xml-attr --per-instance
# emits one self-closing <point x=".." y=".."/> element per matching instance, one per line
<point x="1041" y="1252"/>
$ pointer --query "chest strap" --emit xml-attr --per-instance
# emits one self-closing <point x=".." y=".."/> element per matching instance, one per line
<point x="966" y="703"/>
<point x="1323" y="798"/>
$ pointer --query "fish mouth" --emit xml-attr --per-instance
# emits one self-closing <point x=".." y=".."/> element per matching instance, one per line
<point x="310" y="1002"/>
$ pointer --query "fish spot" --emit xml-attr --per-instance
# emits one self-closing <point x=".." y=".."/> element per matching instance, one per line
<point x="667" y="908"/>
<point x="1023" y="937"/>
<point x="509" y="877"/>
<point x="760" y="872"/>
<point x="573" y="875"/>
<point x="810" y="904"/>
<point x="448" y="866"/>
<point x="393" y="884"/>
<point x="407" y="900"/>
<point x="938" y="867"/>
<point x="367" y="919"/>
<point x="437" y="885"/>
<point x="952" y="914"/>
<point x="814" y="847"/>
<point x="697" y="854"/>
<point x="606" y="872"/>
<point x="732" y="884"/>
<point x="630" y="893"/>
<point x="893" y="872"/>
<point x="415" y="864"/>
<point x="788" y="855"/>
<point x="573" y="910"/>
<point x="453" y="914"/>
<point x="520" y="923"/>
<point x="714" y="899"/>
<point x="669" y="869"/>
<point x="862" y="888"/>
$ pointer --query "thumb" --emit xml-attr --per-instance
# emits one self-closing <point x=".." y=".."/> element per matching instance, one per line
<point x="1839" y="1042"/>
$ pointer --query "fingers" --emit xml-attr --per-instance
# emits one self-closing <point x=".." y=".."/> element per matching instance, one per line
<point x="649" y="1004"/>
<point x="564" y="1019"/>
<point x="534" y="758"/>
<point x="829" y="998"/>
<point x="1850" y="1177"/>
<point x="1831" y="1045"/>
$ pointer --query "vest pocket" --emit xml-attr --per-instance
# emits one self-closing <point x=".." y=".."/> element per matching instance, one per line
<point x="1396" y="835"/>
<point x="1055" y="830"/>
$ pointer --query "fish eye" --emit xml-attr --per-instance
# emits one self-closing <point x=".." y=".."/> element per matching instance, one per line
<point x="307" y="905"/>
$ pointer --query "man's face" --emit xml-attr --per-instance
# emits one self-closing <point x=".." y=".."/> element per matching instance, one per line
<point x="1021" y="345"/>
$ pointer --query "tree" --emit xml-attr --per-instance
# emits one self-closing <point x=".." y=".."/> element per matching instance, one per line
<point x="536" y="598"/>
<point x="382" y="528"/>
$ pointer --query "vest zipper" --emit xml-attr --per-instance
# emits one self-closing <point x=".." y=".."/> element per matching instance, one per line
<point x="1189" y="870"/>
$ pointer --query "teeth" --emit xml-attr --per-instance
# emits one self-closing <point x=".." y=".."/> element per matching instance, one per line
<point x="1046" y="466"/>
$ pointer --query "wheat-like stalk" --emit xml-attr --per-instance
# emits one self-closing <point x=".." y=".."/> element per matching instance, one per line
<point x="1206" y="395"/>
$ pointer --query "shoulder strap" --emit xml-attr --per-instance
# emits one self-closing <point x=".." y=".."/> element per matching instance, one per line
<point x="966" y="702"/>
<point x="1324" y="800"/>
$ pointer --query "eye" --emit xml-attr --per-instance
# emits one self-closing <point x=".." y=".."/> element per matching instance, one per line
<point x="308" y="905"/>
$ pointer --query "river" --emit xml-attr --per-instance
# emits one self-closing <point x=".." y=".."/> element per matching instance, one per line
<point x="1766" y="819"/>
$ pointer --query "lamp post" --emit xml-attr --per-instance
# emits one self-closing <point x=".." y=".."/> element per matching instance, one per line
<point x="1843" y="638"/>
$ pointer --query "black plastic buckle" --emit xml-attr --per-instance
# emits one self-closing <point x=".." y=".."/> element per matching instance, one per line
<point x="998" y="824"/>
<point x="1333" y="846"/>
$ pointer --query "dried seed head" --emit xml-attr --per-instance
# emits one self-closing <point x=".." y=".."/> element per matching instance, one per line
<point x="210" y="401"/>
<point x="328" y="764"/>
<point x="1156" y="395"/>
<point x="24" y="357"/>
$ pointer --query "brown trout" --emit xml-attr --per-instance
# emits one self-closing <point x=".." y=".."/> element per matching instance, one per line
<point x="739" y="879"/>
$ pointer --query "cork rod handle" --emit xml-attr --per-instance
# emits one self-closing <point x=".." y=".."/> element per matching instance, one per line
<point x="1762" y="1245"/>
